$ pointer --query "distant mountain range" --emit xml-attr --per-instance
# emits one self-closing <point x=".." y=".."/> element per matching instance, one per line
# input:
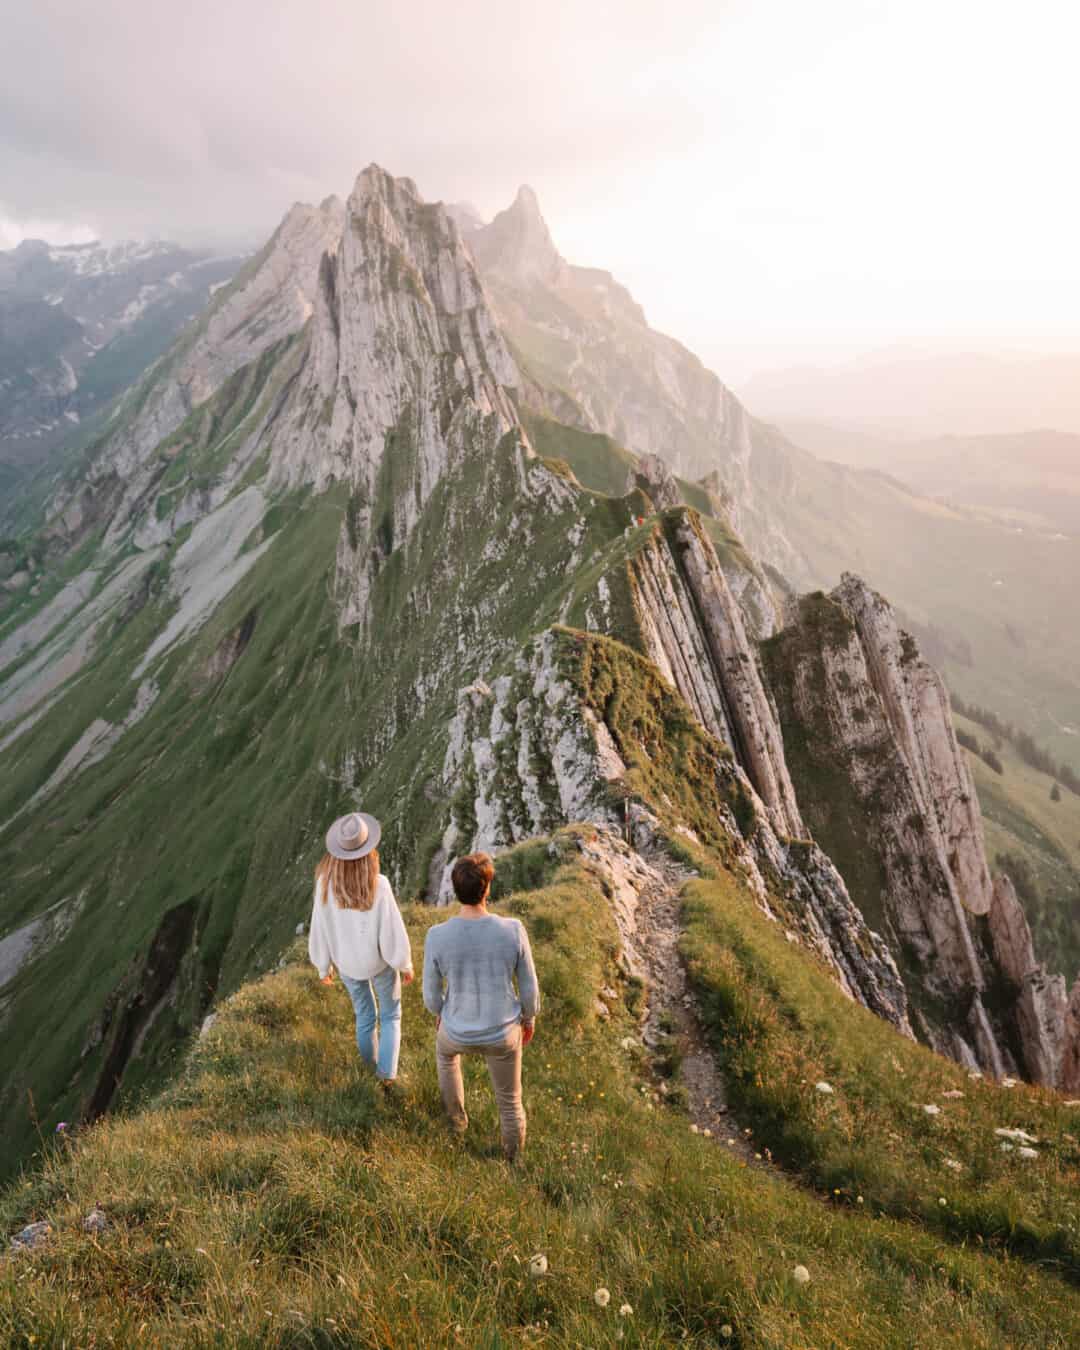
<point x="78" y="324"/>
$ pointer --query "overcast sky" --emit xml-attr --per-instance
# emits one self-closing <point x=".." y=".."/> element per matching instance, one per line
<point x="779" y="180"/>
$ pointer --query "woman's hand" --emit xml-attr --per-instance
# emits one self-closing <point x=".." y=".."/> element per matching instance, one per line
<point x="328" y="978"/>
<point x="407" y="976"/>
<point x="528" y="1031"/>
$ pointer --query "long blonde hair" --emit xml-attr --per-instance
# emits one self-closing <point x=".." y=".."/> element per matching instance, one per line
<point x="353" y="879"/>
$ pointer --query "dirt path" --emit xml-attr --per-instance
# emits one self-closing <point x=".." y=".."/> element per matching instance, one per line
<point x="672" y="1012"/>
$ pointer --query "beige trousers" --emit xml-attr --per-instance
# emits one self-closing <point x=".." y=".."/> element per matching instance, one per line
<point x="504" y="1065"/>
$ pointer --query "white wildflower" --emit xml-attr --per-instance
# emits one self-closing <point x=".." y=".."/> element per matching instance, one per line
<point x="932" y="1110"/>
<point x="538" y="1265"/>
<point x="626" y="1310"/>
<point x="602" y="1297"/>
<point x="953" y="1094"/>
<point x="1016" y="1135"/>
<point x="801" y="1274"/>
<point x="726" y="1331"/>
<point x="826" y="1089"/>
<point x="975" y="1075"/>
<point x="954" y="1165"/>
<point x="694" y="1129"/>
<point x="941" y="1200"/>
<point x="1008" y="1082"/>
<point x="1027" y="1152"/>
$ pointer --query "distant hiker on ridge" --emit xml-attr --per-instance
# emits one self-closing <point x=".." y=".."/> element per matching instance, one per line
<point x="470" y="964"/>
<point x="356" y="924"/>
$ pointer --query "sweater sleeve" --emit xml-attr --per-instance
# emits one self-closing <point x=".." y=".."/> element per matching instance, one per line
<point x="394" y="946"/>
<point x="433" y="980"/>
<point x="318" y="947"/>
<point x="528" y="987"/>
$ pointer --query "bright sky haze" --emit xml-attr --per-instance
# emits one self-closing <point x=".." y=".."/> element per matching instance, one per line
<point x="774" y="181"/>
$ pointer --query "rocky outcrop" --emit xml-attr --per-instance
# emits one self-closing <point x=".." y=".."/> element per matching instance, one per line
<point x="755" y="730"/>
<point x="885" y="789"/>
<point x="530" y="753"/>
<point x="916" y="704"/>
<point x="654" y="477"/>
<point x="692" y="628"/>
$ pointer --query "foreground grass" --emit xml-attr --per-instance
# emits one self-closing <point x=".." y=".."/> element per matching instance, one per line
<point x="270" y="1198"/>
<point x="780" y="1029"/>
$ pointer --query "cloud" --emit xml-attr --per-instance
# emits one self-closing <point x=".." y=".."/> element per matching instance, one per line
<point x="758" y="171"/>
<point x="13" y="232"/>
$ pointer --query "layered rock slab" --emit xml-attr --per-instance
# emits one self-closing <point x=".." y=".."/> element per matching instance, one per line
<point x="885" y="788"/>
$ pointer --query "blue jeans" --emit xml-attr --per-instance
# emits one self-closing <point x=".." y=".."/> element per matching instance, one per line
<point x="378" y="1024"/>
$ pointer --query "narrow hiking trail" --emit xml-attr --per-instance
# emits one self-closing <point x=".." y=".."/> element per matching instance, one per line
<point x="644" y="885"/>
<point x="671" y="1013"/>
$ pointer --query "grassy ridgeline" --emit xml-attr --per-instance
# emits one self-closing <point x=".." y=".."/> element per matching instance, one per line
<point x="271" y="1198"/>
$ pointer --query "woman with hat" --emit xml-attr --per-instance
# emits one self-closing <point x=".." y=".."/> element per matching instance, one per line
<point x="357" y="926"/>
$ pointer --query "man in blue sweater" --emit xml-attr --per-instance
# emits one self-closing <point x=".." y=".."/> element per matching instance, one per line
<point x="470" y="965"/>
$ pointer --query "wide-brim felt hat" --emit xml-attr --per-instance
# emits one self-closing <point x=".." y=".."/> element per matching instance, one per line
<point x="353" y="836"/>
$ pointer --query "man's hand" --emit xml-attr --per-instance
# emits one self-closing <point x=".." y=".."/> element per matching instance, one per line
<point x="328" y="978"/>
<point x="528" y="1031"/>
<point x="407" y="977"/>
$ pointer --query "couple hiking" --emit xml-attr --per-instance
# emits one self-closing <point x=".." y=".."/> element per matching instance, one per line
<point x="471" y="964"/>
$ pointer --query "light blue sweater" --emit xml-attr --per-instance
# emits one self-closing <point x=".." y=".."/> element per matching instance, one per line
<point x="469" y="971"/>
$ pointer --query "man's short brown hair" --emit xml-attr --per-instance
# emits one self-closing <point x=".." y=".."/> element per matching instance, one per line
<point x="471" y="877"/>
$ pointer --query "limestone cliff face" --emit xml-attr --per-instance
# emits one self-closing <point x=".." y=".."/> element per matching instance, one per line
<point x="402" y="332"/>
<point x="916" y="705"/>
<point x="886" y="791"/>
<point x="407" y="368"/>
<point x="530" y="753"/>
<point x="692" y="628"/>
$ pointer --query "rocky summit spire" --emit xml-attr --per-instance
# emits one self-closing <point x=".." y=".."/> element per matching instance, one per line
<point x="517" y="245"/>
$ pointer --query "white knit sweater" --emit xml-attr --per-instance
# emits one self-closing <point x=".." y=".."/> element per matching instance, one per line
<point x="360" y="942"/>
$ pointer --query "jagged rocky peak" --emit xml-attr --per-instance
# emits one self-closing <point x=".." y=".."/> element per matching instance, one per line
<point x="887" y="792"/>
<point x="403" y="343"/>
<point x="517" y="245"/>
<point x="405" y="364"/>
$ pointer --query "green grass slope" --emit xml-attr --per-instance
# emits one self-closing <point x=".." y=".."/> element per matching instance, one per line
<point x="271" y="1198"/>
